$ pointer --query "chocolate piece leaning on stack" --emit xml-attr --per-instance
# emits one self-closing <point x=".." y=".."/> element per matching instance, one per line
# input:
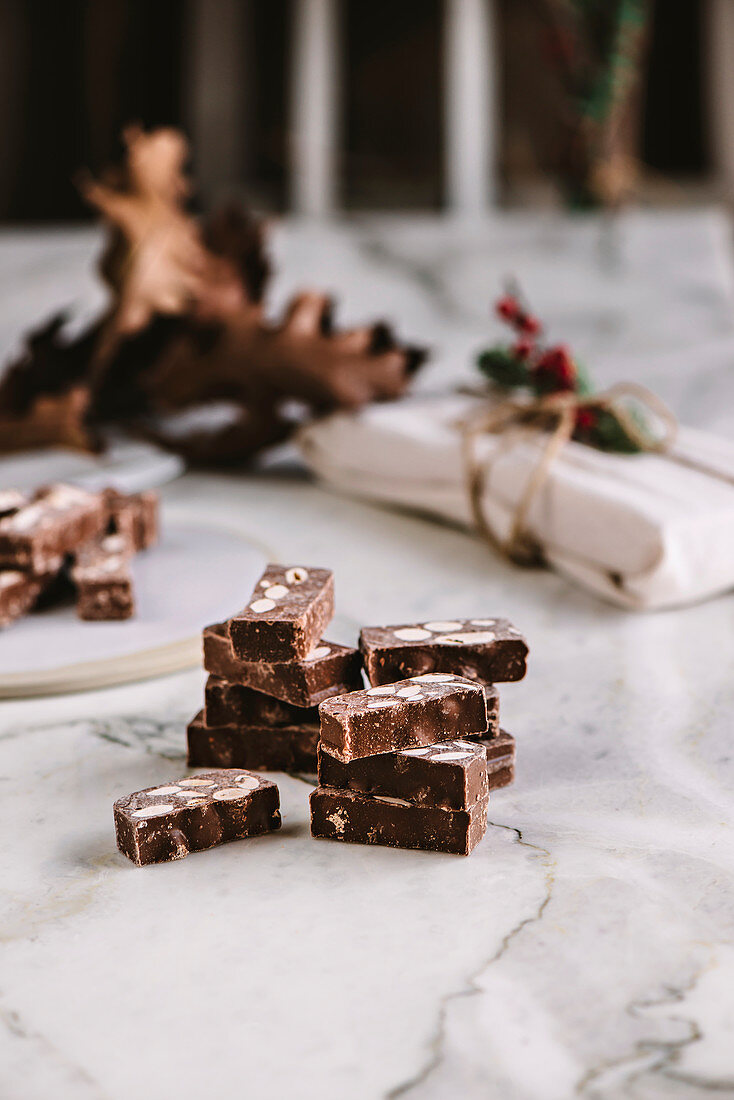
<point x="199" y="812"/>
<point x="261" y="709"/>
<point x="395" y="768"/>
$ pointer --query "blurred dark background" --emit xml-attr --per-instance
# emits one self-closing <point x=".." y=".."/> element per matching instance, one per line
<point x="73" y="72"/>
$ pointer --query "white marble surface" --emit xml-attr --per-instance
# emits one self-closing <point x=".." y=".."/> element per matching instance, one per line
<point x="586" y="948"/>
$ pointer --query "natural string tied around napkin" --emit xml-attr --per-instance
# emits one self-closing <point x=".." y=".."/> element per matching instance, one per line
<point x="556" y="415"/>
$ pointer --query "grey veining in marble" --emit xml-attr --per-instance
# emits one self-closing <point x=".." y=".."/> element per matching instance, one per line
<point x="586" y="948"/>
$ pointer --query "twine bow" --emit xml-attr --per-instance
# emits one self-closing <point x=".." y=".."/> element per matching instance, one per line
<point x="554" y="414"/>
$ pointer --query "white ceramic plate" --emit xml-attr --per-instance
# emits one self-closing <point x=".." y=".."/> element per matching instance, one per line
<point x="196" y="575"/>
<point x="127" y="465"/>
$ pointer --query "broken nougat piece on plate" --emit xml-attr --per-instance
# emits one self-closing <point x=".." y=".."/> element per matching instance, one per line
<point x="102" y="578"/>
<point x="56" y="520"/>
<point x="133" y="515"/>
<point x="18" y="593"/>
<point x="286" y="614"/>
<point x="167" y="822"/>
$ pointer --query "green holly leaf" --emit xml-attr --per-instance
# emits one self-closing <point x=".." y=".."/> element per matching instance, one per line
<point x="609" y="435"/>
<point x="503" y="368"/>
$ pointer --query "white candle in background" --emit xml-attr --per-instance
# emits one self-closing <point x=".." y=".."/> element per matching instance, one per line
<point x="720" y="50"/>
<point x="471" y="125"/>
<point x="314" y="127"/>
<point x="216" y="89"/>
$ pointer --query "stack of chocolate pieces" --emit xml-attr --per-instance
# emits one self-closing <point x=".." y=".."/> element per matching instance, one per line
<point x="396" y="765"/>
<point x="63" y="535"/>
<point x="410" y="761"/>
<point x="269" y="669"/>
<point x="486" y="651"/>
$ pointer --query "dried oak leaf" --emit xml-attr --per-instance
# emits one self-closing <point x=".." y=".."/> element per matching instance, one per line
<point x="49" y="420"/>
<point x="157" y="261"/>
<point x="44" y="398"/>
<point x="249" y="430"/>
<point x="302" y="358"/>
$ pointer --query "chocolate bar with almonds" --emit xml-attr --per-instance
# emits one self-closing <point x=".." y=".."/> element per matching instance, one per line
<point x="286" y="614"/>
<point x="54" y="522"/>
<point x="451" y="774"/>
<point x="488" y="650"/>
<point x="420" y="711"/>
<point x="259" y="748"/>
<point x="167" y="822"/>
<point x="228" y="704"/>
<point x="329" y="669"/>
<point x="379" y="819"/>
<point x="102" y="578"/>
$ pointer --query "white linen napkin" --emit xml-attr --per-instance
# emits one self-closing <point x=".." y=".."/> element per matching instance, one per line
<point x="644" y="531"/>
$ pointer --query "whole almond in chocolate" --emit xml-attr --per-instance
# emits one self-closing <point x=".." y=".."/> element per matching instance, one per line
<point x="329" y="669"/>
<point x="451" y="774"/>
<point x="419" y="711"/>
<point x="485" y="649"/>
<point x="286" y="614"/>
<point x="170" y="820"/>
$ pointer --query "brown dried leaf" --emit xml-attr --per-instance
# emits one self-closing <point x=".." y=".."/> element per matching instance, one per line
<point x="50" y="420"/>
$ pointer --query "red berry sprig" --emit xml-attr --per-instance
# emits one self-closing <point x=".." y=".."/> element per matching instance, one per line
<point x="555" y="371"/>
<point x="527" y="364"/>
<point x="510" y="310"/>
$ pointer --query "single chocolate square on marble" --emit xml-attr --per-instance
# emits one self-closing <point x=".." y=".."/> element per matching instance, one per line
<point x="258" y="748"/>
<point x="227" y="704"/>
<point x="451" y="774"/>
<point x="102" y="578"/>
<point x="171" y="820"/>
<point x="338" y="814"/>
<point x="489" y="650"/>
<point x="54" y="522"/>
<point x="329" y="669"/>
<point x="286" y="614"/>
<point x="420" y="711"/>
